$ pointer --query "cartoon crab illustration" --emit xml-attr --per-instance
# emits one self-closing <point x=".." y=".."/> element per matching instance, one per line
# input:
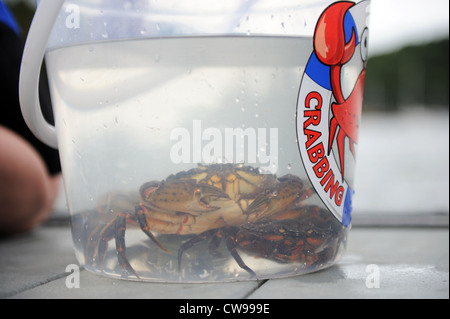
<point x="335" y="41"/>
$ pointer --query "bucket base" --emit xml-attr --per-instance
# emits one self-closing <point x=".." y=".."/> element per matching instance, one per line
<point x="198" y="264"/>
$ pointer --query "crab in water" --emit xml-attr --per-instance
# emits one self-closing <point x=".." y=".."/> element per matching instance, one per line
<point x="259" y="214"/>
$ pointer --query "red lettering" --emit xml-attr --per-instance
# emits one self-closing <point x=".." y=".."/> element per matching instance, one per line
<point x="316" y="152"/>
<point x="335" y="189"/>
<point x="327" y="176"/>
<point x="313" y="118"/>
<point x="321" y="167"/>
<point x="339" y="195"/>
<point x="314" y="96"/>
<point x="331" y="185"/>
<point x="311" y="136"/>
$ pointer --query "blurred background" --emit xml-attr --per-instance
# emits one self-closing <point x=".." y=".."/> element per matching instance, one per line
<point x="403" y="150"/>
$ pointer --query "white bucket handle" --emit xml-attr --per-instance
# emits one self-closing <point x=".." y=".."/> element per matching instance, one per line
<point x="32" y="58"/>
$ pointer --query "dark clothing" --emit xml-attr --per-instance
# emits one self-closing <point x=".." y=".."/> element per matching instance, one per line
<point x="11" y="49"/>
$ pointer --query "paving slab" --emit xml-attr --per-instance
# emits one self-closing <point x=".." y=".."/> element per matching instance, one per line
<point x="380" y="262"/>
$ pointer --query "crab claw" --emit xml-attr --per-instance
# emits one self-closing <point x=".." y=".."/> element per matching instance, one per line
<point x="185" y="196"/>
<point x="205" y="195"/>
<point x="279" y="198"/>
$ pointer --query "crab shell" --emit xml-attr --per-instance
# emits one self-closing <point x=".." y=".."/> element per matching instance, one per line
<point x="306" y="234"/>
<point x="214" y="196"/>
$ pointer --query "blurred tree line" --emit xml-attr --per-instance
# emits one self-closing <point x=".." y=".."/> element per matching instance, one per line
<point x="412" y="76"/>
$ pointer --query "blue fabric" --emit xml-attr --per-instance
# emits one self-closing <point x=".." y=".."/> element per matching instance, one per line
<point x="7" y="18"/>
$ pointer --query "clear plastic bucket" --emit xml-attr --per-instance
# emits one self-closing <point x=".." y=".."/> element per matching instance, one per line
<point x="202" y="140"/>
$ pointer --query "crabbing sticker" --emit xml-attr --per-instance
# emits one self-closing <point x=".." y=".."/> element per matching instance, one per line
<point x="330" y="101"/>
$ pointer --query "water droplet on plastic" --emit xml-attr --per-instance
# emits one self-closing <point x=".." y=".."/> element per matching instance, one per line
<point x="289" y="166"/>
<point x="243" y="109"/>
<point x="237" y="100"/>
<point x="127" y="5"/>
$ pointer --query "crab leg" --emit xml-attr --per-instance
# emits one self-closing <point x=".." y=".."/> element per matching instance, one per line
<point x="216" y="236"/>
<point x="120" y="227"/>
<point x="192" y="242"/>
<point x="231" y="245"/>
<point x="102" y="235"/>
<point x="140" y="214"/>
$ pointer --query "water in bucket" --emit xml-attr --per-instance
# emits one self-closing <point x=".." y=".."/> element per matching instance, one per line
<point x="200" y="149"/>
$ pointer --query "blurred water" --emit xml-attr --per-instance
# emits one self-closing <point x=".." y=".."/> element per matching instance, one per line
<point x="403" y="163"/>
